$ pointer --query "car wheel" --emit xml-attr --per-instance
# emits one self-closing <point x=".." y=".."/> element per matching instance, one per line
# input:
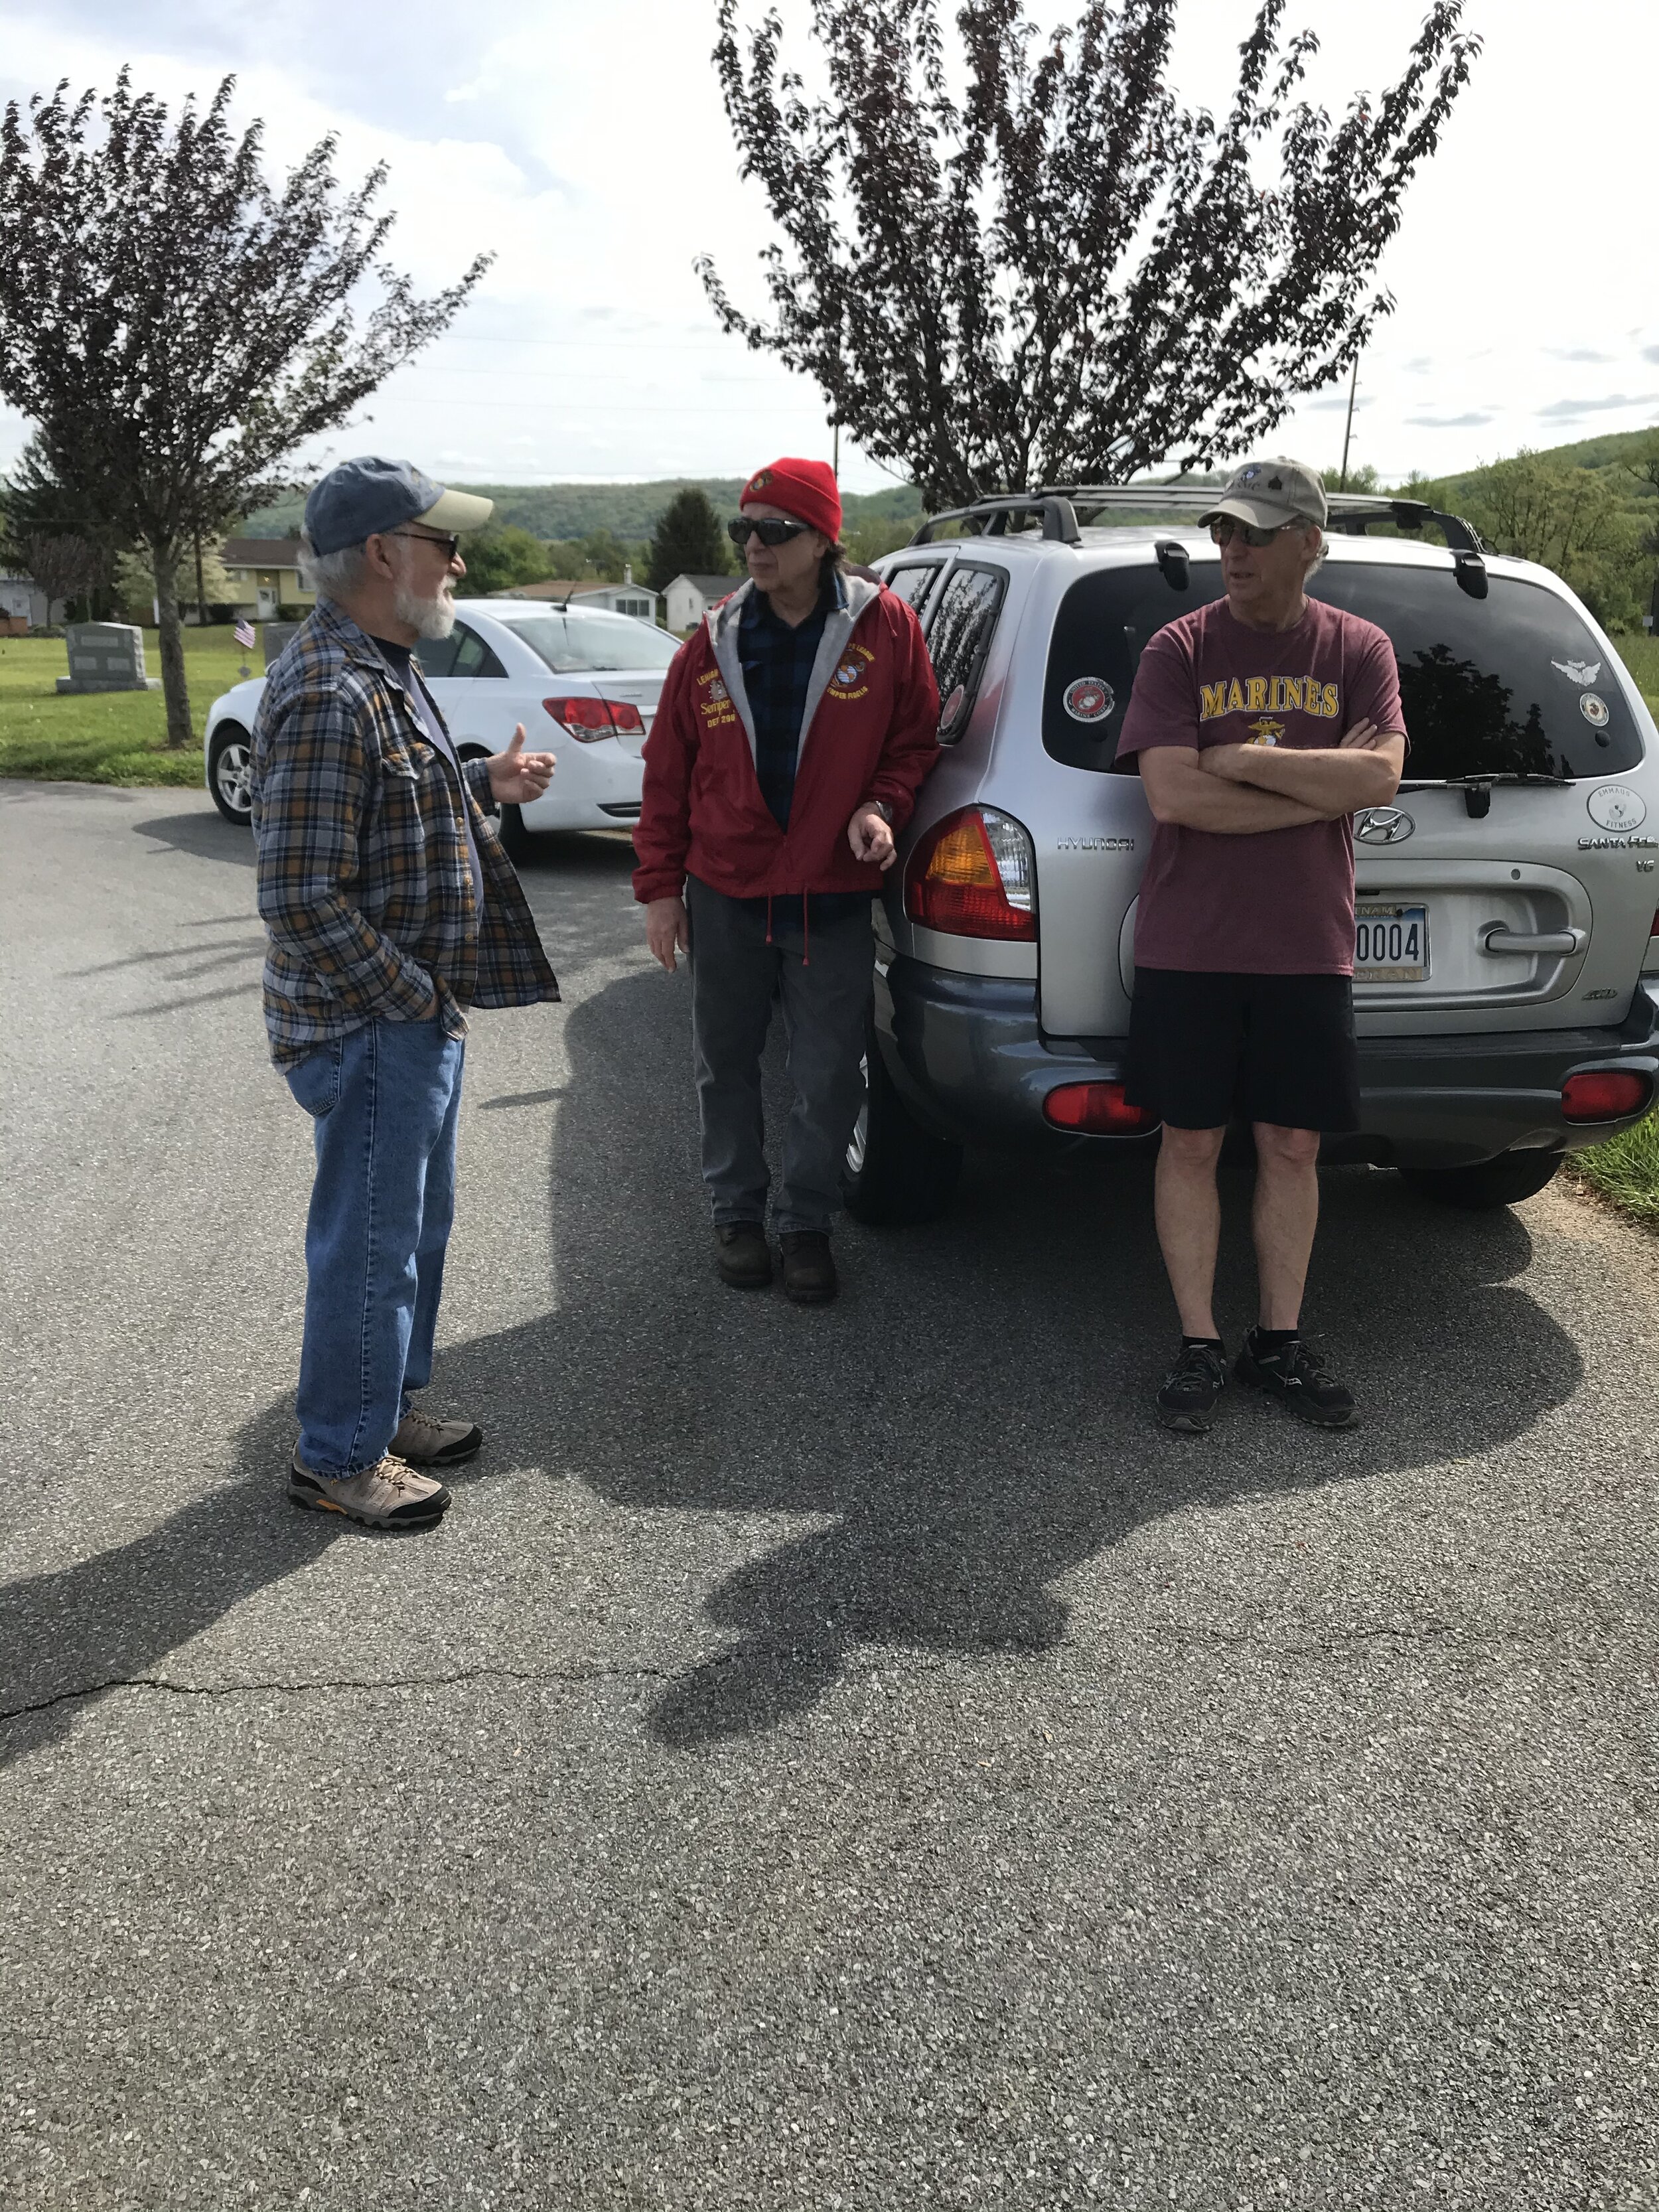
<point x="897" y="1174"/>
<point x="229" y="758"/>
<point x="518" y="842"/>
<point x="1489" y="1184"/>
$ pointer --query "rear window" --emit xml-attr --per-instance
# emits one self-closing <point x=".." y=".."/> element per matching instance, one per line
<point x="581" y="645"/>
<point x="1510" y="685"/>
<point x="959" y="631"/>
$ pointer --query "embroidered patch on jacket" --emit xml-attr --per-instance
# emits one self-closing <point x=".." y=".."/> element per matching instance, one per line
<point x="847" y="682"/>
<point x="715" y="705"/>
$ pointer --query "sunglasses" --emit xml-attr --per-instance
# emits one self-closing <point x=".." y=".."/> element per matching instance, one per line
<point x="1224" y="530"/>
<point x="771" y="531"/>
<point x="450" y="546"/>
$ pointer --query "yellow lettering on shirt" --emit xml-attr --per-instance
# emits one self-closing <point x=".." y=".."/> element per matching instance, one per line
<point x="1213" y="704"/>
<point x="1235" y="698"/>
<point x="1257" y="698"/>
<point x="1332" y="707"/>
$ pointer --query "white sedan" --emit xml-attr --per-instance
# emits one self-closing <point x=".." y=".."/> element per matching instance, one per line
<point x="584" y="683"/>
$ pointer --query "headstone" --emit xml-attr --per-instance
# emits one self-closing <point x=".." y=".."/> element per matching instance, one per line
<point x="107" y="657"/>
<point x="274" y="635"/>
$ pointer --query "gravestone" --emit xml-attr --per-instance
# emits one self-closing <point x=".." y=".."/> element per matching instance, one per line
<point x="274" y="635"/>
<point x="107" y="657"/>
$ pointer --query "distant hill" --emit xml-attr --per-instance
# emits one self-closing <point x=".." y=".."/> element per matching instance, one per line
<point x="630" y="510"/>
<point x="1619" y="449"/>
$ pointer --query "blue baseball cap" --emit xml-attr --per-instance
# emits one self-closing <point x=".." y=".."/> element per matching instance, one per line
<point x="370" y="495"/>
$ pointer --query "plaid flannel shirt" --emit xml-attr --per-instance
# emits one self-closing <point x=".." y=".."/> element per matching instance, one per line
<point x="777" y="674"/>
<point x="365" y="882"/>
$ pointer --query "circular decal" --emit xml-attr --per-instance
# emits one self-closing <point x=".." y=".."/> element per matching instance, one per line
<point x="952" y="708"/>
<point x="1615" y="806"/>
<point x="1594" y="709"/>
<point x="1090" y="699"/>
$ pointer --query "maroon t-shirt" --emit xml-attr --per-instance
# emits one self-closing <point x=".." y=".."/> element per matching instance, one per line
<point x="1276" y="902"/>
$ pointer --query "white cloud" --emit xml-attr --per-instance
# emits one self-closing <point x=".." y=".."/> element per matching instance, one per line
<point x="587" y="147"/>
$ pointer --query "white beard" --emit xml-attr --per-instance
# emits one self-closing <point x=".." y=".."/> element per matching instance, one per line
<point x="430" y="618"/>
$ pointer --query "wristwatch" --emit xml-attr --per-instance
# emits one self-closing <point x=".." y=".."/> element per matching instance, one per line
<point x="881" y="808"/>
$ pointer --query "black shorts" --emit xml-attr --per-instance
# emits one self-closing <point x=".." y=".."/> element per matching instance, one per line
<point x="1205" y="1049"/>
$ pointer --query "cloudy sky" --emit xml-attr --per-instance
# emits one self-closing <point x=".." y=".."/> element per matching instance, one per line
<point x="583" y="143"/>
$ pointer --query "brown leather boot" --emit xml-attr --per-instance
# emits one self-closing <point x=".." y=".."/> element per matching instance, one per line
<point x="809" y="1272"/>
<point x="742" y="1254"/>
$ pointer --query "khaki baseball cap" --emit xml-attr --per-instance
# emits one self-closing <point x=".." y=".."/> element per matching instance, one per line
<point x="1265" y="494"/>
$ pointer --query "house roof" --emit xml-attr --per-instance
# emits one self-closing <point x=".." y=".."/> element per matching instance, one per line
<point x="260" y="553"/>
<point x="712" y="587"/>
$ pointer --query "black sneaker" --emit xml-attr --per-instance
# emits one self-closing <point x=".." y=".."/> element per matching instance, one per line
<point x="1191" y="1388"/>
<point x="1294" y="1374"/>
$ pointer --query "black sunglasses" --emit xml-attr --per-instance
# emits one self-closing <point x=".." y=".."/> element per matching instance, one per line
<point x="450" y="546"/>
<point x="1222" y="528"/>
<point x="770" y="531"/>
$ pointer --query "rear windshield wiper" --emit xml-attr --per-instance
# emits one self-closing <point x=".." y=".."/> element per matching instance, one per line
<point x="1477" y="789"/>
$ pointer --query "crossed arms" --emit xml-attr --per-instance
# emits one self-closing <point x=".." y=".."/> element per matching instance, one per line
<point x="1241" y="790"/>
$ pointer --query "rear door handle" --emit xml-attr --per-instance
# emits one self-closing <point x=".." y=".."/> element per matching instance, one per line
<point x="1500" y="939"/>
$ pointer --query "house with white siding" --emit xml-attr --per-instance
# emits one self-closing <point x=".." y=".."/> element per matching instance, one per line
<point x="690" y="598"/>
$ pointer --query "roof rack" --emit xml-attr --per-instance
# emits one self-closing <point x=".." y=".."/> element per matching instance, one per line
<point x="1057" y="507"/>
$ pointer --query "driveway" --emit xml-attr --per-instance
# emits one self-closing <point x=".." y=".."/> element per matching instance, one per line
<point x="827" y="1759"/>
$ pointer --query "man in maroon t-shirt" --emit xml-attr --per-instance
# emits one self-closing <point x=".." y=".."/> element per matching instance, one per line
<point x="1263" y="721"/>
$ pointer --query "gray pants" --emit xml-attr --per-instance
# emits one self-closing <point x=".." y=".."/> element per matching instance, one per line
<point x="735" y="973"/>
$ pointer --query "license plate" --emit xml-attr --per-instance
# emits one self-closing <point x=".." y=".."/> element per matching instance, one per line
<point x="1390" y="944"/>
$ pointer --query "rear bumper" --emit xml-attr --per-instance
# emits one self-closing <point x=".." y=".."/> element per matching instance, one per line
<point x="969" y="1056"/>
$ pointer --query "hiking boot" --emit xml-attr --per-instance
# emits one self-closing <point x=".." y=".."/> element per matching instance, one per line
<point x="388" y="1495"/>
<point x="1191" y="1387"/>
<point x="424" y="1441"/>
<point x="1293" y="1374"/>
<point x="809" y="1272"/>
<point x="743" y="1255"/>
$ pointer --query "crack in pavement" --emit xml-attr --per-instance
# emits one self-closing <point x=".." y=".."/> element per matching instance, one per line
<point x="597" y="1671"/>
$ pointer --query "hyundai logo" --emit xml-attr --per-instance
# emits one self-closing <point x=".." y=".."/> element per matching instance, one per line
<point x="1383" y="825"/>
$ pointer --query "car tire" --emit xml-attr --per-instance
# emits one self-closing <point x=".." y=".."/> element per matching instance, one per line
<point x="1489" y="1184"/>
<point x="229" y="757"/>
<point x="897" y="1174"/>
<point x="518" y="842"/>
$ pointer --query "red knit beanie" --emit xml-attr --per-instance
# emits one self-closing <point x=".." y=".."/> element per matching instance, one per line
<point x="806" y="489"/>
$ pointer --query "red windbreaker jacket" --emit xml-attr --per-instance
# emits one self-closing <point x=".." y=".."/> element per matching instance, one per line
<point x="870" y="732"/>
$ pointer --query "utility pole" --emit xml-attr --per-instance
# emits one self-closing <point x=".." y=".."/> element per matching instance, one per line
<point x="1353" y="386"/>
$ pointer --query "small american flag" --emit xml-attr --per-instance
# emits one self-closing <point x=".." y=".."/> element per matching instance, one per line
<point x="244" y="636"/>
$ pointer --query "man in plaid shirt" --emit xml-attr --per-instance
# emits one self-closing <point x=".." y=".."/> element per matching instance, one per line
<point x="391" y="907"/>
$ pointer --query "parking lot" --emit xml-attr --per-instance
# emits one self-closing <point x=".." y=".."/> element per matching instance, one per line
<point x="845" y="1758"/>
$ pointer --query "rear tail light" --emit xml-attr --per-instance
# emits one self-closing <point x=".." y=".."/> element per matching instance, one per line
<point x="973" y="875"/>
<point x="1097" y="1110"/>
<point x="1654" y="929"/>
<point x="1604" y="1094"/>
<point x="589" y="719"/>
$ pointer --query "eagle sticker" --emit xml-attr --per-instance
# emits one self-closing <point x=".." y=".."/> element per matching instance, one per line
<point x="1090" y="699"/>
<point x="1578" y="672"/>
<point x="1266" y="731"/>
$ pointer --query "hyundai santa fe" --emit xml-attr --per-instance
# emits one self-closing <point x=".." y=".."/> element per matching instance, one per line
<point x="1506" y="966"/>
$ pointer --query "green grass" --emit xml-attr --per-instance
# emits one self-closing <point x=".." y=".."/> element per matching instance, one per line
<point x="1626" y="1169"/>
<point x="1640" y="655"/>
<point x="112" y="737"/>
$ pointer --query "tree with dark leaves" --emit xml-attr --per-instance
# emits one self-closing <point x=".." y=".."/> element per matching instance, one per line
<point x="175" y="327"/>
<point x="1061" y="274"/>
<point x="688" y="541"/>
<point x="55" y="538"/>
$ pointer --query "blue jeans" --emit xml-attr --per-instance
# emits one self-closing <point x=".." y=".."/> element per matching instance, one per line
<point x="385" y="1101"/>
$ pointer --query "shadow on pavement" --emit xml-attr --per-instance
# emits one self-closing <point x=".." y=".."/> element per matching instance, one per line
<point x="209" y="836"/>
<point x="970" y="1422"/>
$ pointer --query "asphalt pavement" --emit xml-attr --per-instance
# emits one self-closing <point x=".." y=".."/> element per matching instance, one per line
<point x="845" y="1758"/>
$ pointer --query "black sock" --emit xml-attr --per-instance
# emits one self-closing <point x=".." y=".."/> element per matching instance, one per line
<point x="1208" y="1343"/>
<point x="1270" y="1341"/>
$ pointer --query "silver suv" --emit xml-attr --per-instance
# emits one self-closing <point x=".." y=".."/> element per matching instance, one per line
<point x="1506" y="977"/>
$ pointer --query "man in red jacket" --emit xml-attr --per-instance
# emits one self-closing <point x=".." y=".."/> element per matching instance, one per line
<point x="793" y="730"/>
